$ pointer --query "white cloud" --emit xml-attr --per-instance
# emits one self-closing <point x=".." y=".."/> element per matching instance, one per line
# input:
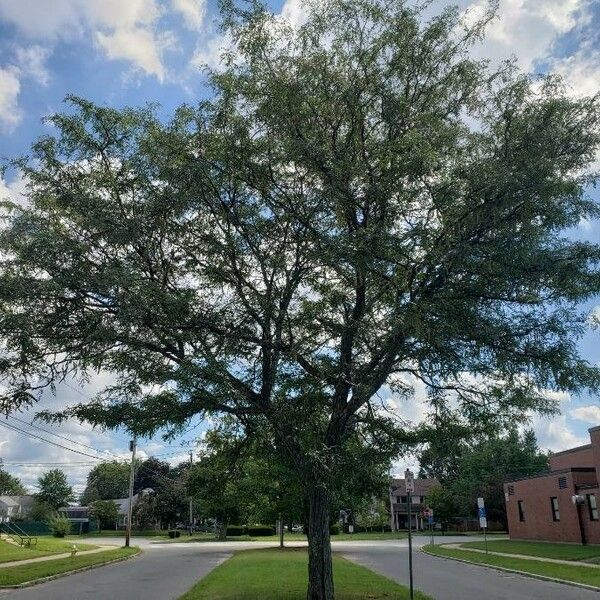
<point x="32" y="63"/>
<point x="124" y="30"/>
<point x="527" y="29"/>
<point x="10" y="87"/>
<point x="555" y="434"/>
<point x="580" y="70"/>
<point x="139" y="46"/>
<point x="587" y="414"/>
<point x="594" y="316"/>
<point x="14" y="191"/>
<point x="192" y="11"/>
<point x="208" y="53"/>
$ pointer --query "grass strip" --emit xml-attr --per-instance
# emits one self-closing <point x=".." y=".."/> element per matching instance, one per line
<point x="32" y="571"/>
<point x="274" y="574"/>
<point x="575" y="573"/>
<point x="44" y="547"/>
<point x="541" y="549"/>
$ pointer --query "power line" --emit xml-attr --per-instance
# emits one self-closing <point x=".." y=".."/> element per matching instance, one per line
<point x="34" y="435"/>
<point x="58" y="435"/>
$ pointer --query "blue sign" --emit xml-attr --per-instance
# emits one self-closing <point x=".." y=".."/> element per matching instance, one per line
<point x="482" y="514"/>
<point x="430" y="519"/>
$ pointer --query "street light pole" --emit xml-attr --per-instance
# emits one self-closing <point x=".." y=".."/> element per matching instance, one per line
<point x="132" y="447"/>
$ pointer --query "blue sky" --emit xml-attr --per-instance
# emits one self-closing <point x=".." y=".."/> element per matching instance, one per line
<point x="128" y="52"/>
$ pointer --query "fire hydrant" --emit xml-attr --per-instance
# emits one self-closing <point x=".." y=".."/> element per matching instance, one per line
<point x="73" y="551"/>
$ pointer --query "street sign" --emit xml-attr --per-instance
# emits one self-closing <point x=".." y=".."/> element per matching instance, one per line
<point x="409" y="481"/>
<point x="482" y="513"/>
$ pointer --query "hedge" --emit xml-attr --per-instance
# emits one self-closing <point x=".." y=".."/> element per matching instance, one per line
<point x="235" y="530"/>
<point x="257" y="530"/>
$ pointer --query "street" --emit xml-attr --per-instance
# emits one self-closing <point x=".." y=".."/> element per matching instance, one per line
<point x="166" y="571"/>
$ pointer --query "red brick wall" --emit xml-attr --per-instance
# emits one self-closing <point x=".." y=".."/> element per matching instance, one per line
<point x="578" y="457"/>
<point x="538" y="524"/>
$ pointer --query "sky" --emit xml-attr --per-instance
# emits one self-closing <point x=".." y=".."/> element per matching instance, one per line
<point x="131" y="52"/>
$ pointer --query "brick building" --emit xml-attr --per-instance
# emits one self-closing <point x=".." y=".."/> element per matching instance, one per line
<point x="562" y="505"/>
<point x="399" y="502"/>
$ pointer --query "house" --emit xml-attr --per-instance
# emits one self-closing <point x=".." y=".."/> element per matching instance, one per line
<point x="123" y="505"/>
<point x="562" y="505"/>
<point x="12" y="507"/>
<point x="399" y="502"/>
<point x="79" y="516"/>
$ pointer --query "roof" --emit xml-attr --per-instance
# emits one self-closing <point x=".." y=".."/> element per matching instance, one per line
<point x="576" y="449"/>
<point x="422" y="486"/>
<point x="552" y="473"/>
<point x="25" y="500"/>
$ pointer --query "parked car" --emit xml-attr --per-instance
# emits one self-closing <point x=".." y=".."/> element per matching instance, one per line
<point x="297" y="528"/>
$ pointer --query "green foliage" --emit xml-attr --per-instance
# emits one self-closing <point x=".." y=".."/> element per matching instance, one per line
<point x="235" y="530"/>
<point x="41" y="511"/>
<point x="10" y="485"/>
<point x="444" y="504"/>
<point x="104" y="511"/>
<point x="54" y="489"/>
<point x="106" y="481"/>
<point x="480" y="467"/>
<point x="59" y="526"/>
<point x="258" y="530"/>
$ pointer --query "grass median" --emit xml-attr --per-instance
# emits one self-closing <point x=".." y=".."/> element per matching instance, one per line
<point x="541" y="549"/>
<point x="575" y="573"/>
<point x="274" y="574"/>
<point x="10" y="576"/>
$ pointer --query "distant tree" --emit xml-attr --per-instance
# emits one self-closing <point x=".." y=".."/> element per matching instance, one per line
<point x="41" y="511"/>
<point x="54" y="489"/>
<point x="443" y="502"/>
<point x="151" y="473"/>
<point x="106" y="481"/>
<point x="104" y="511"/>
<point x="10" y="485"/>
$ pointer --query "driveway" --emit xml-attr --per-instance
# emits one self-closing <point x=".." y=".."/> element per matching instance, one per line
<point x="166" y="571"/>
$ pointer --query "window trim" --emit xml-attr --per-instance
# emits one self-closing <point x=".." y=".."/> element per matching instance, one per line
<point x="555" y="509"/>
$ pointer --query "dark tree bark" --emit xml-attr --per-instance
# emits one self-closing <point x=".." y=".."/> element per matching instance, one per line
<point x="320" y="571"/>
<point x="222" y="529"/>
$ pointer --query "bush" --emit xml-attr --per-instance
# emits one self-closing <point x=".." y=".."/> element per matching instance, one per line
<point x="235" y="530"/>
<point x="334" y="529"/>
<point x="59" y="526"/>
<point x="256" y="530"/>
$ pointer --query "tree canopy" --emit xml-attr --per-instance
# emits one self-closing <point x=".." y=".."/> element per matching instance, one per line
<point x="106" y="481"/>
<point x="358" y="203"/>
<point x="54" y="490"/>
<point x="10" y="485"/>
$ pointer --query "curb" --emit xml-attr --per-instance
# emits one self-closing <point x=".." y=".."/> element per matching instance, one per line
<point x="67" y="573"/>
<point x="584" y="586"/>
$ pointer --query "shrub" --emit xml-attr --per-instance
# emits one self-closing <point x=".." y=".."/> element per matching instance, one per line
<point x="235" y="530"/>
<point x="334" y="529"/>
<point x="260" y="530"/>
<point x="59" y="526"/>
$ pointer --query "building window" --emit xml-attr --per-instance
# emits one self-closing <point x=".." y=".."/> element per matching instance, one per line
<point x="402" y="499"/>
<point x="511" y="490"/>
<point x="416" y="499"/>
<point x="521" y="513"/>
<point x="562" y="483"/>
<point x="592" y="506"/>
<point x="554" y="506"/>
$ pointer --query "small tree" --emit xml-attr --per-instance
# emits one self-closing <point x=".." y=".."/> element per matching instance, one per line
<point x="59" y="526"/>
<point x="444" y="505"/>
<point x="41" y="511"/>
<point x="104" y="511"/>
<point x="54" y="489"/>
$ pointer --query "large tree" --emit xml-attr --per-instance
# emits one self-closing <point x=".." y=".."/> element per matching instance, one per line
<point x="54" y="489"/>
<point x="106" y="481"/>
<point x="358" y="203"/>
<point x="10" y="485"/>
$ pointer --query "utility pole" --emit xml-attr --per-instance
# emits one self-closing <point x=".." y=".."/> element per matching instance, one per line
<point x="191" y="499"/>
<point x="132" y="447"/>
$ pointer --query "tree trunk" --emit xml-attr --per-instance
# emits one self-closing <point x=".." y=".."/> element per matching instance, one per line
<point x="222" y="529"/>
<point x="320" y="572"/>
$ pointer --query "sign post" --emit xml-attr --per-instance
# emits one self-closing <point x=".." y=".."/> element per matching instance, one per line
<point x="429" y="515"/>
<point x="482" y="520"/>
<point x="409" y="480"/>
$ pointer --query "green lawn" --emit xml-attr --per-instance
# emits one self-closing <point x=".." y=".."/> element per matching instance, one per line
<point x="282" y="575"/>
<point x="33" y="571"/>
<point x="45" y="546"/>
<point x="542" y="549"/>
<point x="576" y="573"/>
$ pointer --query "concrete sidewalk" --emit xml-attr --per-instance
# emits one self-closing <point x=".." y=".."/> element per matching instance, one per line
<point x="558" y="561"/>
<point x="26" y="561"/>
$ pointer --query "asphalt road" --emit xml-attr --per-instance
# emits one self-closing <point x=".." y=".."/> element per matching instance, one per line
<point x="445" y="579"/>
<point x="166" y="571"/>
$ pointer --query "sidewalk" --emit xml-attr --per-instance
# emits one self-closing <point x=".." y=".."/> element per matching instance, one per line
<point x="572" y="563"/>
<point x="25" y="561"/>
